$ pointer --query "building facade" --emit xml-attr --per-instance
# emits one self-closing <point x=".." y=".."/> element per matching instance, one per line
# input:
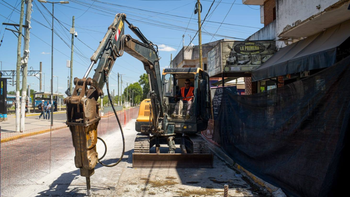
<point x="308" y="23"/>
<point x="291" y="21"/>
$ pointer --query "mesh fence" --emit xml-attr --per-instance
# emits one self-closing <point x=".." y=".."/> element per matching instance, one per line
<point x="294" y="137"/>
<point x="26" y="160"/>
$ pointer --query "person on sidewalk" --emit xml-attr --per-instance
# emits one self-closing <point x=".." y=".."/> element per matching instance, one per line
<point x="186" y="94"/>
<point x="48" y="110"/>
<point x="42" y="109"/>
<point x="26" y="109"/>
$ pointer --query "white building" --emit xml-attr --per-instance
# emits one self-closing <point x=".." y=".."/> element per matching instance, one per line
<point x="292" y="20"/>
<point x="310" y="34"/>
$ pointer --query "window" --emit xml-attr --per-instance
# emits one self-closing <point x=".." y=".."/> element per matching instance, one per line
<point x="168" y="85"/>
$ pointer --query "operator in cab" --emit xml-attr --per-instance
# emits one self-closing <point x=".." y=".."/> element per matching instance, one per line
<point x="186" y="96"/>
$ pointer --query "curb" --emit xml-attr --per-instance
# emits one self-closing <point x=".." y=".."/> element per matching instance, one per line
<point x="30" y="134"/>
<point x="43" y="131"/>
<point x="275" y="191"/>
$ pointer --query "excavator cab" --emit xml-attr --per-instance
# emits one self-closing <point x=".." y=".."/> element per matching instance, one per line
<point x="189" y="117"/>
<point x="176" y="111"/>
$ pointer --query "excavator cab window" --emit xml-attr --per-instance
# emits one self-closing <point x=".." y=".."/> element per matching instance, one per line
<point x="168" y="85"/>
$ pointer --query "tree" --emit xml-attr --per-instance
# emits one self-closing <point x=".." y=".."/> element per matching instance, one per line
<point x="11" y="92"/>
<point x="116" y="99"/>
<point x="133" y="89"/>
<point x="145" y="85"/>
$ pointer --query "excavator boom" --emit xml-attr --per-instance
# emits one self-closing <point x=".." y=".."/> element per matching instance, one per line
<point x="82" y="107"/>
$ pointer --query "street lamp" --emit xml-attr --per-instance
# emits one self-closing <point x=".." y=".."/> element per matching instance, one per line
<point x="52" y="3"/>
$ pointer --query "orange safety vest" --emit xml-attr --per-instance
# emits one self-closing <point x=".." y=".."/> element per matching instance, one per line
<point x="189" y="93"/>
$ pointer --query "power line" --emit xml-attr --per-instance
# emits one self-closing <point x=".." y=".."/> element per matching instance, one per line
<point x="223" y="20"/>
<point x="152" y="12"/>
<point x="86" y="10"/>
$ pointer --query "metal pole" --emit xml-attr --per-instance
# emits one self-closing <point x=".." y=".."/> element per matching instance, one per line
<point x="118" y="91"/>
<point x="199" y="33"/>
<point x="18" y="68"/>
<point x="71" y="58"/>
<point x="28" y="99"/>
<point x="52" y="63"/>
<point x="121" y="87"/>
<point x="89" y="69"/>
<point x="41" y="76"/>
<point x="127" y="95"/>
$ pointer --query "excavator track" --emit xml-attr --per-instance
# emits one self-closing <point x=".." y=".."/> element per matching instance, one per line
<point x="199" y="145"/>
<point x="142" y="143"/>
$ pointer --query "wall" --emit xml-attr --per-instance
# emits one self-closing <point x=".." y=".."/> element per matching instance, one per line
<point x="269" y="11"/>
<point x="266" y="33"/>
<point x="189" y="55"/>
<point x="292" y="12"/>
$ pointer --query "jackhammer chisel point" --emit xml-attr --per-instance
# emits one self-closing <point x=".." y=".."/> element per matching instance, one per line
<point x="88" y="186"/>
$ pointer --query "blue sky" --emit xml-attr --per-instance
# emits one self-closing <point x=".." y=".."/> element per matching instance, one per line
<point x="164" y="22"/>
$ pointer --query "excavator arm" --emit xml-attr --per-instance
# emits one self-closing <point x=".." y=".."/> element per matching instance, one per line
<point x="82" y="107"/>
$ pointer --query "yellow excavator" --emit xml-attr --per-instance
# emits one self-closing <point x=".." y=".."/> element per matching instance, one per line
<point x="155" y="124"/>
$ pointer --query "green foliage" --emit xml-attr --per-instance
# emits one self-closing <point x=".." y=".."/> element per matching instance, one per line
<point x="145" y="85"/>
<point x="11" y="92"/>
<point x="105" y="100"/>
<point x="133" y="91"/>
<point x="116" y="99"/>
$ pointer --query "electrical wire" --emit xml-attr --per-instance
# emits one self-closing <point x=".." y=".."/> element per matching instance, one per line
<point x="8" y="18"/>
<point x="223" y="20"/>
<point x="86" y="10"/>
<point x="103" y="10"/>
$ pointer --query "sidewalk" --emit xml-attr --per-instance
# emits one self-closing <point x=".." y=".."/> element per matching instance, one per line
<point x="33" y="125"/>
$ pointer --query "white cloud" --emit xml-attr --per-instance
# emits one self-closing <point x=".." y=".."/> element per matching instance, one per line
<point x="163" y="47"/>
<point x="45" y="53"/>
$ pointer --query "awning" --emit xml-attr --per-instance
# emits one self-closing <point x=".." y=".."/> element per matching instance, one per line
<point x="315" y="52"/>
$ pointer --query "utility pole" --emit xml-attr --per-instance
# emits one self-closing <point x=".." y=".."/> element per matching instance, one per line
<point x="25" y="63"/>
<point x="28" y="98"/>
<point x="121" y="88"/>
<point x="41" y="76"/>
<point x="199" y="10"/>
<point x="118" y="91"/>
<point x="72" y="31"/>
<point x="18" y="68"/>
<point x="127" y="96"/>
<point x="52" y="28"/>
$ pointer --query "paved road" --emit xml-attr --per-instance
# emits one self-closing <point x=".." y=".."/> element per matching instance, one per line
<point x="33" y="169"/>
<point x="25" y="160"/>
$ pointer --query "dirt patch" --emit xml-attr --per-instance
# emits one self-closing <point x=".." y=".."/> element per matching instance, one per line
<point x="200" y="192"/>
<point x="159" y="183"/>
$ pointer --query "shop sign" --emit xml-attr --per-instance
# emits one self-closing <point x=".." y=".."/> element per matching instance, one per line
<point x="239" y="56"/>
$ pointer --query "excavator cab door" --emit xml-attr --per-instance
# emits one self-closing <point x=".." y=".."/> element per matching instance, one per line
<point x="203" y="100"/>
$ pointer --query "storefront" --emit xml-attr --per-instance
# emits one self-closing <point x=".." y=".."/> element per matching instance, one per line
<point x="307" y="56"/>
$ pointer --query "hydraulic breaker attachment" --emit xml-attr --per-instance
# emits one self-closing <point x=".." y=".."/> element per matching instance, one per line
<point x="83" y="119"/>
